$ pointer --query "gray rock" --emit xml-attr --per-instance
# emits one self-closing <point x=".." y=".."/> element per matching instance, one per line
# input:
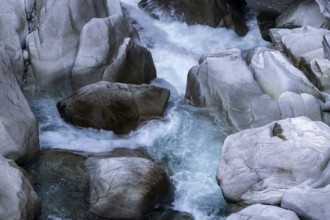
<point x="308" y="203"/>
<point x="114" y="106"/>
<point x="109" y="50"/>
<point x="13" y="31"/>
<point x="18" y="199"/>
<point x="252" y="99"/>
<point x="53" y="46"/>
<point x="215" y="13"/>
<point x="275" y="74"/>
<point x="123" y="188"/>
<point x="304" y="13"/>
<point x="263" y="212"/>
<point x="18" y="127"/>
<point x="324" y="7"/>
<point x="260" y="165"/>
<point x="326" y="46"/>
<point x="303" y="46"/>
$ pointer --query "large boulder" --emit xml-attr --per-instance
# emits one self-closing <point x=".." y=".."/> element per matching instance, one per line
<point x="114" y="106"/>
<point x="304" y="47"/>
<point x="304" y="13"/>
<point x="308" y="203"/>
<point x="215" y="13"/>
<point x="127" y="187"/>
<point x="18" y="199"/>
<point x="53" y="46"/>
<point x="260" y="165"/>
<point x="263" y="212"/>
<point x="273" y="90"/>
<point x="109" y="49"/>
<point x="13" y="30"/>
<point x="18" y="127"/>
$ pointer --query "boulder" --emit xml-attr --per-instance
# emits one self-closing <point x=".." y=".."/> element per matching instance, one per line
<point x="275" y="74"/>
<point x="13" y="30"/>
<point x="18" y="127"/>
<point x="263" y="212"/>
<point x="308" y="203"/>
<point x="273" y="90"/>
<point x="304" y="47"/>
<point x="260" y="165"/>
<point x="114" y="106"/>
<point x="109" y="49"/>
<point x="215" y="13"/>
<point x="18" y="199"/>
<point x="267" y="11"/>
<point x="53" y="46"/>
<point x="324" y="7"/>
<point x="304" y="13"/>
<point x="127" y="187"/>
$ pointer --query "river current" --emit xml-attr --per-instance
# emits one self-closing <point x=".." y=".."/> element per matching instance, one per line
<point x="188" y="140"/>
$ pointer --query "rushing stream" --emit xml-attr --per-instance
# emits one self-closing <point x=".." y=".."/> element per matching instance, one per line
<point x="187" y="140"/>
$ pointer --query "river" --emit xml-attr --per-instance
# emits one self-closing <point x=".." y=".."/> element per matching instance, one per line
<point x="188" y="140"/>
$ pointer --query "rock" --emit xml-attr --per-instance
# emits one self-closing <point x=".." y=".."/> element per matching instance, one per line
<point x="225" y="81"/>
<point x="18" y="127"/>
<point x="276" y="75"/>
<point x="127" y="188"/>
<point x="267" y="11"/>
<point x="214" y="13"/>
<point x="110" y="50"/>
<point x="53" y="46"/>
<point x="326" y="46"/>
<point x="252" y="99"/>
<point x="263" y="212"/>
<point x="308" y="203"/>
<point x="304" y="13"/>
<point x="18" y="199"/>
<point x="13" y="31"/>
<point x="171" y="214"/>
<point x="303" y="46"/>
<point x="260" y="165"/>
<point x="324" y="7"/>
<point x="114" y="106"/>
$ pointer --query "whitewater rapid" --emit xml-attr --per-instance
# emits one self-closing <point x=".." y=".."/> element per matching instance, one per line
<point x="187" y="140"/>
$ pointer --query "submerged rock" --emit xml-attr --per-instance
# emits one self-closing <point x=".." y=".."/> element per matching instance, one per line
<point x="308" y="203"/>
<point x="109" y="49"/>
<point x="18" y="127"/>
<point x="18" y="199"/>
<point x="114" y="106"/>
<point x="214" y="13"/>
<point x="261" y="165"/>
<point x="263" y="212"/>
<point x="127" y="187"/>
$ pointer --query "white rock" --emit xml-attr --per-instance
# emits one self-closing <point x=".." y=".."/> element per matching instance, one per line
<point x="18" y="199"/>
<point x="304" y="13"/>
<point x="260" y="165"/>
<point x="326" y="46"/>
<point x="263" y="212"/>
<point x="308" y="203"/>
<point x="13" y="30"/>
<point x="276" y="75"/>
<point x="324" y="7"/>
<point x="18" y="126"/>
<point x="53" y="46"/>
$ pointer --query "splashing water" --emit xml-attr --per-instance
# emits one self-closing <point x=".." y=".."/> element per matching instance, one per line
<point x="187" y="140"/>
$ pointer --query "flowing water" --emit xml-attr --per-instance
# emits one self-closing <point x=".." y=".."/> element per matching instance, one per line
<point x="187" y="140"/>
